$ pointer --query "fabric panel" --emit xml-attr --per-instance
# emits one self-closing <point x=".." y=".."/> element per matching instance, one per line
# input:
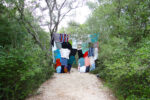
<point x="81" y="62"/>
<point x="84" y="47"/>
<point x="58" y="45"/>
<point x="82" y="69"/>
<point x="71" y="60"/>
<point x="73" y="52"/>
<point x="86" y="54"/>
<point x="95" y="53"/>
<point x="91" y="52"/>
<point x="58" y="69"/>
<point x="80" y="54"/>
<point x="56" y="37"/>
<point x="65" y="53"/>
<point x="74" y="44"/>
<point x="92" y="67"/>
<point x="64" y="61"/>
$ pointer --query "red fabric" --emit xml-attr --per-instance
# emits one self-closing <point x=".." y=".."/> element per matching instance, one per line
<point x="55" y="66"/>
<point x="64" y="37"/>
<point x="61" y="37"/>
<point x="67" y="37"/>
<point x="58" y="63"/>
<point x="85" y="54"/>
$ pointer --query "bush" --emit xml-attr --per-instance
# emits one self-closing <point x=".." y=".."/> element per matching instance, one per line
<point x="21" y="72"/>
<point x="127" y="71"/>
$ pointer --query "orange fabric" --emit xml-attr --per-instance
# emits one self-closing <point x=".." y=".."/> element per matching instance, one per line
<point x="87" y="61"/>
<point x="65" y="69"/>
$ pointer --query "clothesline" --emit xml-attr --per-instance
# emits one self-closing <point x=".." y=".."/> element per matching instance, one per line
<point x="65" y="47"/>
<point x="79" y="37"/>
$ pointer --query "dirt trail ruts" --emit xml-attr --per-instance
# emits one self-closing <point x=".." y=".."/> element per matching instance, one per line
<point x="73" y="86"/>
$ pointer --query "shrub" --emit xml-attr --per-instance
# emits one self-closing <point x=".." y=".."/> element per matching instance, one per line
<point x="127" y="71"/>
<point x="21" y="72"/>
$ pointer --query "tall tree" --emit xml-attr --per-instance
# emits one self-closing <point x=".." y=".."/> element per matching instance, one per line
<point x="57" y="11"/>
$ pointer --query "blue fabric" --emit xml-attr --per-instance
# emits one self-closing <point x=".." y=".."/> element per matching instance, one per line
<point x="91" y="52"/>
<point x="92" y="67"/>
<point x="69" y="67"/>
<point x="58" y="69"/>
<point x="58" y="45"/>
<point x="94" y="37"/>
<point x="64" y="61"/>
<point x="81" y="62"/>
<point x="87" y="68"/>
<point x="57" y="55"/>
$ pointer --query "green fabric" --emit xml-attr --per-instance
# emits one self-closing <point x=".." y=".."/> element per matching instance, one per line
<point x="71" y="60"/>
<point x="85" y="47"/>
<point x="70" y="41"/>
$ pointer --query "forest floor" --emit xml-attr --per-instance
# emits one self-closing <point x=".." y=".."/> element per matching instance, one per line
<point x="73" y="86"/>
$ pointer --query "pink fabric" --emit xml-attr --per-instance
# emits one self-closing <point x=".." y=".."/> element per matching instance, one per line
<point x="87" y="61"/>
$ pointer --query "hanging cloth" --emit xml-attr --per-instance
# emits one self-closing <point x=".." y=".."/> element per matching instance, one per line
<point x="84" y="47"/>
<point x="66" y="45"/>
<point x="87" y="61"/>
<point x="65" y="53"/>
<point x="64" y="61"/>
<point x="81" y="62"/>
<point x="74" y="44"/>
<point x="71" y="60"/>
<point x="58" y="45"/>
<point x="80" y="54"/>
<point x="58" y="69"/>
<point x="91" y="52"/>
<point x="73" y="52"/>
<point x="52" y="40"/>
<point x="95" y="53"/>
<point x="79" y="45"/>
<point x="92" y="67"/>
<point x="94" y="37"/>
<point x="56" y="37"/>
<point x="53" y="49"/>
<point x="82" y="69"/>
<point x="85" y="54"/>
<point x="92" y="61"/>
<point x="58" y="63"/>
<point x="57" y="54"/>
<point x="64" y="37"/>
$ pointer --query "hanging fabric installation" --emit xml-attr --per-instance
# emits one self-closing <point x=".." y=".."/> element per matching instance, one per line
<point x="65" y="47"/>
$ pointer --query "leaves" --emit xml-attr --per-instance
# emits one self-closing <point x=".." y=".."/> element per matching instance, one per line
<point x="124" y="56"/>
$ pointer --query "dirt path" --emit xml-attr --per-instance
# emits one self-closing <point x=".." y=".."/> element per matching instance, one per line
<point x="74" y="86"/>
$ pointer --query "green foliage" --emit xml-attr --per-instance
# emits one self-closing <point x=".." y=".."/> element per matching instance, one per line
<point x="22" y="71"/>
<point x="124" y="57"/>
<point x="23" y="64"/>
<point x="10" y="33"/>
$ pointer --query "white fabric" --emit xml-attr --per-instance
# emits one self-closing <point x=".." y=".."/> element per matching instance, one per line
<point x="53" y="56"/>
<point x="79" y="45"/>
<point x="74" y="44"/>
<point x="92" y="61"/>
<point x="88" y="38"/>
<point x="65" y="53"/>
<point x="53" y="49"/>
<point x="83" y="69"/>
<point x="95" y="53"/>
